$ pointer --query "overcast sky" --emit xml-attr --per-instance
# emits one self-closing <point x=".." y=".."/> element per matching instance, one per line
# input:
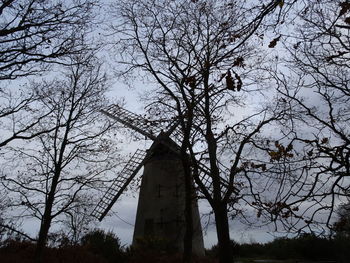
<point x="122" y="217"/>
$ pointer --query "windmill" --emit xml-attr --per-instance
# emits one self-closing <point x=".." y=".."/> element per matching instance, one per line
<point x="160" y="211"/>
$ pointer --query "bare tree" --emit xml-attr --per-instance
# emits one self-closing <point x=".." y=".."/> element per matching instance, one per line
<point x="198" y="53"/>
<point x="16" y="115"/>
<point x="314" y="82"/>
<point x="34" y="34"/>
<point x="49" y="174"/>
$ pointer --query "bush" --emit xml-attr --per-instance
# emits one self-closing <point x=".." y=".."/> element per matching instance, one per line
<point x="341" y="248"/>
<point x="305" y="247"/>
<point x="213" y="252"/>
<point x="104" y="244"/>
<point x="13" y="251"/>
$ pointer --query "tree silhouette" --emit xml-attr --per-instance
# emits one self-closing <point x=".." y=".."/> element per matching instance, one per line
<point x="197" y="52"/>
<point x="52" y="172"/>
<point x="34" y="36"/>
<point x="313" y="78"/>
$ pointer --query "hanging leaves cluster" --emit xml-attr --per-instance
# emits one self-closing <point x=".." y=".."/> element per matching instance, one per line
<point x="345" y="7"/>
<point x="278" y="208"/>
<point x="273" y="43"/>
<point x="233" y="83"/>
<point x="281" y="152"/>
<point x="239" y="62"/>
<point x="190" y="81"/>
<point x="246" y="165"/>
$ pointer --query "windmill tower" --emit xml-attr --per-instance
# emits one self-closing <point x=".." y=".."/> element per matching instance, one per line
<point x="161" y="205"/>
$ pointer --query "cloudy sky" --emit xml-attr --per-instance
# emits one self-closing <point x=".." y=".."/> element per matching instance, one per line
<point x="122" y="217"/>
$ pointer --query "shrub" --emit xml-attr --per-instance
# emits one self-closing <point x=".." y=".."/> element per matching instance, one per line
<point x="104" y="244"/>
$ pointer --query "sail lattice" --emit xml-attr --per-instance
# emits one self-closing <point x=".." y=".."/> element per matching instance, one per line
<point x="134" y="121"/>
<point x="119" y="184"/>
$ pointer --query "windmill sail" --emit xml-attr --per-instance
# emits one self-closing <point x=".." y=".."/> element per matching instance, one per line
<point x="119" y="184"/>
<point x="148" y="128"/>
<point x="206" y="179"/>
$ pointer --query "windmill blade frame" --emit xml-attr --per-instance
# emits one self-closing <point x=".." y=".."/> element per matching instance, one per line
<point x="125" y="176"/>
<point x="149" y="129"/>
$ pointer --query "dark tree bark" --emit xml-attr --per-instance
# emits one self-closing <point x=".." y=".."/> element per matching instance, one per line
<point x="187" y="254"/>
<point x="222" y="226"/>
<point x="189" y="191"/>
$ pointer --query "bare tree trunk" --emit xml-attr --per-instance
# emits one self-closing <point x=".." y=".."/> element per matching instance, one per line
<point x="44" y="229"/>
<point x="187" y="256"/>
<point x="47" y="218"/>
<point x="223" y="234"/>
<point x="220" y="207"/>
<point x="187" y="253"/>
